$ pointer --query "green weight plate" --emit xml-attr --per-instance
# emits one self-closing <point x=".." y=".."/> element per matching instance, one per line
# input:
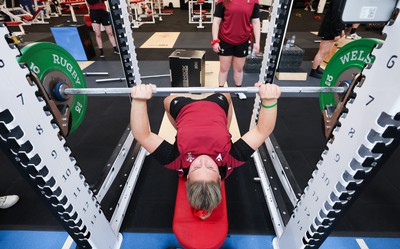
<point x="52" y="64"/>
<point x="346" y="62"/>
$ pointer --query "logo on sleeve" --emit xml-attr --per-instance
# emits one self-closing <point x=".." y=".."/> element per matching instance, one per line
<point x="190" y="158"/>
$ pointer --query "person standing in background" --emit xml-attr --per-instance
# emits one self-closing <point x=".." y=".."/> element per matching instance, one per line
<point x="234" y="20"/>
<point x="353" y="32"/>
<point x="100" y="16"/>
<point x="330" y="31"/>
<point x="309" y="5"/>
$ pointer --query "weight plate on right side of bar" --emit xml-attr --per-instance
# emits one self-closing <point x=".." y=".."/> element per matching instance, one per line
<point x="344" y="65"/>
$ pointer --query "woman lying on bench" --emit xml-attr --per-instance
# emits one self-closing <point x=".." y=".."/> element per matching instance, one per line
<point x="203" y="151"/>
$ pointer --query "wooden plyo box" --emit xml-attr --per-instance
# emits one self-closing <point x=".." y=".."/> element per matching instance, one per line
<point x="339" y="44"/>
<point x="291" y="75"/>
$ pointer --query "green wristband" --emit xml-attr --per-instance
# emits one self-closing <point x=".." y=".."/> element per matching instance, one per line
<point x="269" y="106"/>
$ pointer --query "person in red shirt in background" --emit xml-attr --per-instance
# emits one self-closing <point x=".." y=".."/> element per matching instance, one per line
<point x="203" y="150"/>
<point x="233" y="22"/>
<point x="100" y="16"/>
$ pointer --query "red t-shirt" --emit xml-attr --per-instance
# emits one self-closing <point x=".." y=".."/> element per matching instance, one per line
<point x="236" y="17"/>
<point x="202" y="130"/>
<point x="98" y="6"/>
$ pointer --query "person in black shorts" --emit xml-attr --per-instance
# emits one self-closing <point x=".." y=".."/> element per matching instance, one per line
<point x="100" y="16"/>
<point x="233" y="23"/>
<point x="330" y="31"/>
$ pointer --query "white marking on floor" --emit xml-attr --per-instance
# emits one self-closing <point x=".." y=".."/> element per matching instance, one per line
<point x="362" y="244"/>
<point x="84" y="64"/>
<point x="161" y="40"/>
<point x="68" y="243"/>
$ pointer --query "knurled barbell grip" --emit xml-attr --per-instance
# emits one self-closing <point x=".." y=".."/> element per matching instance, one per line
<point x="125" y="91"/>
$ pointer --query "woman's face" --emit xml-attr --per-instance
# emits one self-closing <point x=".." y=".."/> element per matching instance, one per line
<point x="203" y="168"/>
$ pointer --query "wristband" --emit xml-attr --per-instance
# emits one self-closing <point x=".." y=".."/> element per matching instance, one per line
<point x="215" y="41"/>
<point x="269" y="106"/>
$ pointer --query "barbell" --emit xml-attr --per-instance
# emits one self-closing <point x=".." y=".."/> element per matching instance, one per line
<point x="64" y="83"/>
<point x="63" y="90"/>
<point x="60" y="92"/>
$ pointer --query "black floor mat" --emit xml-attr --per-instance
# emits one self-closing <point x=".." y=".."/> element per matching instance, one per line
<point x="298" y="133"/>
<point x="91" y="144"/>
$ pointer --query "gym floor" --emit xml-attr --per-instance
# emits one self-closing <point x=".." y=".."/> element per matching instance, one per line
<point x="370" y="222"/>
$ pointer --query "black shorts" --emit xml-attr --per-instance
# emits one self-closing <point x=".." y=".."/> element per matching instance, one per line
<point x="179" y="102"/>
<point x="325" y="33"/>
<point x="327" y="37"/>
<point x="240" y="50"/>
<point x="100" y="17"/>
<point x="326" y="29"/>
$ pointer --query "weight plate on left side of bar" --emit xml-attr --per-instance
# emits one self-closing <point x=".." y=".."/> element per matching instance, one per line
<point x="53" y="64"/>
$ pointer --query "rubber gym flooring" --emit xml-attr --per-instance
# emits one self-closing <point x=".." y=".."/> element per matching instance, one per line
<point x="298" y="131"/>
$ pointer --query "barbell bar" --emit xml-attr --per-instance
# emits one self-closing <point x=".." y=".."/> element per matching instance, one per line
<point x="122" y="79"/>
<point x="95" y="73"/>
<point x="63" y="93"/>
<point x="126" y="91"/>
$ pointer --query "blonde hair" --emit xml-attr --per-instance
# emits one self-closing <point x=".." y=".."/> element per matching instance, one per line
<point x="204" y="195"/>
